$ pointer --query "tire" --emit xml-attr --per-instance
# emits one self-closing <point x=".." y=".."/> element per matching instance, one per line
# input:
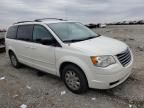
<point x="77" y="83"/>
<point x="14" y="61"/>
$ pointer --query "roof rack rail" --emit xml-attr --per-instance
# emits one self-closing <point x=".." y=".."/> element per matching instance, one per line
<point x="22" y="22"/>
<point x="39" y="20"/>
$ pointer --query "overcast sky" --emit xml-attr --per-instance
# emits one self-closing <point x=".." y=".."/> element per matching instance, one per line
<point x="85" y="11"/>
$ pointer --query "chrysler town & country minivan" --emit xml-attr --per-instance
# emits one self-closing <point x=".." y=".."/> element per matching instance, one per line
<point x="79" y="56"/>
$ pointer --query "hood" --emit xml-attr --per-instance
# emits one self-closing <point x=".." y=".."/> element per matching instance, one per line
<point x="100" y="46"/>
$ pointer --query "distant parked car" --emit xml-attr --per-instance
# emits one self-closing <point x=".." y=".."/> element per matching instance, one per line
<point x="91" y="26"/>
<point x="102" y="25"/>
<point x="2" y="42"/>
<point x="82" y="58"/>
<point x="2" y="30"/>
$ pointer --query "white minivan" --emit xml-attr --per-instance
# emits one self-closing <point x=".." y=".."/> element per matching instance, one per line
<point x="79" y="56"/>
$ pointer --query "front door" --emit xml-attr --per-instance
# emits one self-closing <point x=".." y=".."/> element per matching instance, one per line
<point x="43" y="56"/>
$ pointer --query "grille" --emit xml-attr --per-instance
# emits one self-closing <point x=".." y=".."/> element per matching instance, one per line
<point x="124" y="57"/>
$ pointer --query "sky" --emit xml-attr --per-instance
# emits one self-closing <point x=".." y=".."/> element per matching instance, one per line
<point x="85" y="11"/>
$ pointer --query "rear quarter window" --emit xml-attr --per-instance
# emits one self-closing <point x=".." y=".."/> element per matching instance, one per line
<point x="12" y="31"/>
<point x="25" y="32"/>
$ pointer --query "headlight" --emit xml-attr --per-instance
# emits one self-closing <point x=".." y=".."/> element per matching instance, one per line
<point x="103" y="61"/>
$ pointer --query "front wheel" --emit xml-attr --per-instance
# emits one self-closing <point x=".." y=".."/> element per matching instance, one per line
<point x="74" y="79"/>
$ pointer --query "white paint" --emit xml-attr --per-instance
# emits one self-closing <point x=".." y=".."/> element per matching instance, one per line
<point x="63" y="93"/>
<point x="130" y="106"/>
<point x="28" y="87"/>
<point x="93" y="98"/>
<point x="2" y="78"/>
<point x="23" y="106"/>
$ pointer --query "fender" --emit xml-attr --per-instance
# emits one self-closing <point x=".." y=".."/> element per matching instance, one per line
<point x="74" y="60"/>
<point x="9" y="48"/>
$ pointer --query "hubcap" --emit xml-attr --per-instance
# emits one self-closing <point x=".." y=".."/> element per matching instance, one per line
<point x="13" y="60"/>
<point x="72" y="80"/>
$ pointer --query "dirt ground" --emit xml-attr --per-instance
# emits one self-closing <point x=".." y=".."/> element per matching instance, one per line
<point x="25" y="87"/>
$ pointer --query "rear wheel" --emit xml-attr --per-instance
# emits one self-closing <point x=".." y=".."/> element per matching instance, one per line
<point x="14" y="61"/>
<point x="75" y="79"/>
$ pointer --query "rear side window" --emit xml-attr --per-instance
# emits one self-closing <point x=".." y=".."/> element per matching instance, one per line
<point x="25" y="32"/>
<point x="11" y="33"/>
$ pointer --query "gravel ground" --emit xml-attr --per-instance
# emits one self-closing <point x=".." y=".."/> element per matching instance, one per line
<point x="26" y="86"/>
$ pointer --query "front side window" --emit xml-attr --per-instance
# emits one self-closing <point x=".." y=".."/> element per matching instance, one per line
<point x="11" y="33"/>
<point x="25" y="32"/>
<point x="40" y="33"/>
<point x="72" y="31"/>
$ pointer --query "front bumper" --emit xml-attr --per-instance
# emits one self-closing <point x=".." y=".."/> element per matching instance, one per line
<point x="111" y="77"/>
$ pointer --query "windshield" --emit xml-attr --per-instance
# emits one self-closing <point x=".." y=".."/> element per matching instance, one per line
<point x="72" y="31"/>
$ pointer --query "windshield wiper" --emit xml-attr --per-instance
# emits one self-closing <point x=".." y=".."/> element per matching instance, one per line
<point x="77" y="40"/>
<point x="73" y="40"/>
<point x="89" y="38"/>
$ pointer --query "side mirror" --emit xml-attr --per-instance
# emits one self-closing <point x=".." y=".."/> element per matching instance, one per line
<point x="48" y="41"/>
